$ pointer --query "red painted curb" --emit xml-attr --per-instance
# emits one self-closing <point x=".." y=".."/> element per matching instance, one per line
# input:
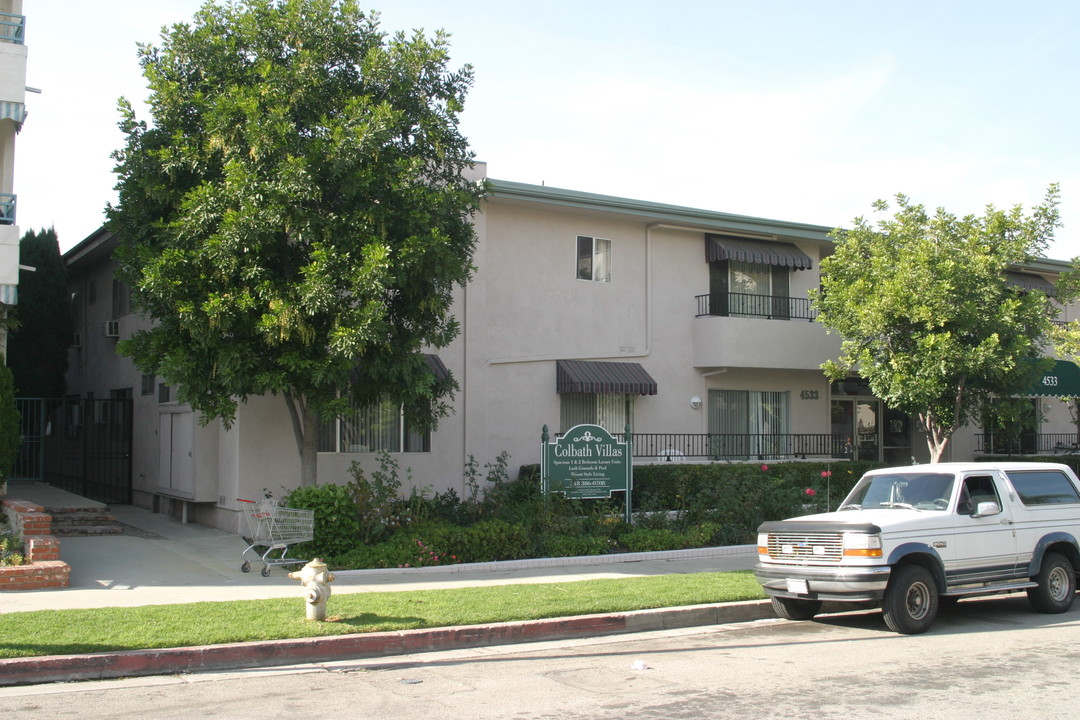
<point x="234" y="656"/>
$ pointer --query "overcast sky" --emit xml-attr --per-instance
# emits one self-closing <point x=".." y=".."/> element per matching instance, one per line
<point x="786" y="109"/>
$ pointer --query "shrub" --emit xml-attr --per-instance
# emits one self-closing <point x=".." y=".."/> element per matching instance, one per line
<point x="337" y="523"/>
<point x="572" y="545"/>
<point x="647" y="540"/>
<point x="11" y="550"/>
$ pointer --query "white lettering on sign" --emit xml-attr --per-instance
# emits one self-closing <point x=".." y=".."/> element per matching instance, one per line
<point x="1050" y="380"/>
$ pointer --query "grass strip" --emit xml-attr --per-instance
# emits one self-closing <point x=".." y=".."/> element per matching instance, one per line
<point x="60" y="632"/>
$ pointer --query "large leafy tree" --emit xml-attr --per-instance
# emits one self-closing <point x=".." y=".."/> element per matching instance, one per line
<point x="38" y="347"/>
<point x="927" y="315"/>
<point x="296" y="216"/>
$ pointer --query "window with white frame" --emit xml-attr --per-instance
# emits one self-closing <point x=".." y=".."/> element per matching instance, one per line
<point x="373" y="427"/>
<point x="593" y="259"/>
<point x="613" y="412"/>
<point x="745" y="424"/>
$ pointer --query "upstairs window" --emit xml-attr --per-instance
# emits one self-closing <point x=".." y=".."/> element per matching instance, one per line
<point x="593" y="259"/>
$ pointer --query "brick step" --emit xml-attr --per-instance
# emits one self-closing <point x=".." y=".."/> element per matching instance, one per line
<point x="69" y="531"/>
<point x="71" y="519"/>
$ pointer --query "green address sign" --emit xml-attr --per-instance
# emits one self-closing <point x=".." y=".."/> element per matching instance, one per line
<point x="587" y="462"/>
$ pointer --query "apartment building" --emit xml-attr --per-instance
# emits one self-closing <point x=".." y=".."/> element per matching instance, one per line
<point x="691" y="326"/>
<point x="12" y="115"/>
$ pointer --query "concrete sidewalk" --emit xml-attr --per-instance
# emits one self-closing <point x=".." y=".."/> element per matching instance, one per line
<point x="162" y="561"/>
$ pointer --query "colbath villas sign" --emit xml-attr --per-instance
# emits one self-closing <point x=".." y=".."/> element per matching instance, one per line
<point x="587" y="462"/>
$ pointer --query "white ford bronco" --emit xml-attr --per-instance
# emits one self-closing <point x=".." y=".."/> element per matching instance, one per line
<point x="912" y="537"/>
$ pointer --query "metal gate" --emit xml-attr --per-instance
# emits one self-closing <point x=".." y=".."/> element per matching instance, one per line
<point x="82" y="446"/>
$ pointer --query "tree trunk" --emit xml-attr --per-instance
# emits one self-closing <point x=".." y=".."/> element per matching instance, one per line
<point x="306" y="431"/>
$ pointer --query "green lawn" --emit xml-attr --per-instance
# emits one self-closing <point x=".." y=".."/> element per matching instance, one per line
<point x="57" y="632"/>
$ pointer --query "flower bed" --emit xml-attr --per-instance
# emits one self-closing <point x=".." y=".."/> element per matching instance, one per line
<point x="44" y="568"/>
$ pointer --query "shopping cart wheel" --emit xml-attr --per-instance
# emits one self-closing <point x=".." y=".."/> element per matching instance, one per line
<point x="266" y="571"/>
<point x="246" y="567"/>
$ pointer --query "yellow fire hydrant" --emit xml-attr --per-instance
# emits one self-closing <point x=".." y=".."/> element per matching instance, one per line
<point x="316" y="579"/>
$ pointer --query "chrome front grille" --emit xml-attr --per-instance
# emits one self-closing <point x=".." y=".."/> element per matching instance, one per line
<point x="806" y="547"/>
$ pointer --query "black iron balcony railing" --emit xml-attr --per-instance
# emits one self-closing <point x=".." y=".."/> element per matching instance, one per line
<point x="12" y="28"/>
<point x="771" y="307"/>
<point x="7" y="209"/>
<point x="1027" y="443"/>
<point x="674" y="447"/>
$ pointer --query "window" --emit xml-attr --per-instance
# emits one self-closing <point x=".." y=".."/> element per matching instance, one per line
<point x="593" y="259"/>
<point x="613" y="412"/>
<point x="1043" y="487"/>
<point x="121" y="299"/>
<point x="740" y="288"/>
<point x="746" y="424"/>
<point x="376" y="427"/>
<point x="149" y="383"/>
<point x="164" y="394"/>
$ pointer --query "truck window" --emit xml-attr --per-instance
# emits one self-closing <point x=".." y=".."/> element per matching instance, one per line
<point x="976" y="489"/>
<point x="1043" y="487"/>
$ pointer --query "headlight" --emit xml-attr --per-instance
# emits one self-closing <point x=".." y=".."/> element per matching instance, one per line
<point x="862" y="545"/>
<point x="763" y="543"/>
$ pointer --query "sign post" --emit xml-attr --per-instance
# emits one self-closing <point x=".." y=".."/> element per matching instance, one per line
<point x="587" y="462"/>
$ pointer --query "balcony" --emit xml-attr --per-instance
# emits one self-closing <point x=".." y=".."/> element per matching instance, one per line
<point x="768" y="307"/>
<point x="676" y="447"/>
<point x="12" y="28"/>
<point x="739" y="330"/>
<point x="1028" y="444"/>
<point x="7" y="209"/>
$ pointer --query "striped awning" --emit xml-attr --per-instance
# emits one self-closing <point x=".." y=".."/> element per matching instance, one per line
<point x="1027" y="281"/>
<point x="726" y="247"/>
<point x="618" y="378"/>
<point x="13" y="111"/>
<point x="9" y="294"/>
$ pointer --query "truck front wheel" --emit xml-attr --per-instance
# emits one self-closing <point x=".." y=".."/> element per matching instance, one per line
<point x="911" y="600"/>
<point x="1057" y="585"/>
<point x="795" y="609"/>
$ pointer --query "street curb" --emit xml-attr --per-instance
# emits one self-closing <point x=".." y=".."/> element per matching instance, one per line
<point x="235" y="656"/>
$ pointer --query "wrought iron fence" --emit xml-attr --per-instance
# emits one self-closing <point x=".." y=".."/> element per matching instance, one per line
<point x="770" y="307"/>
<point x="675" y="447"/>
<point x="1027" y="443"/>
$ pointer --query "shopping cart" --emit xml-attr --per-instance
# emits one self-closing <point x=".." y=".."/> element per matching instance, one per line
<point x="275" y="528"/>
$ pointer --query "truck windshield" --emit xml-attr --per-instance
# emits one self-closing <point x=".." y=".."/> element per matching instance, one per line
<point x="915" y="491"/>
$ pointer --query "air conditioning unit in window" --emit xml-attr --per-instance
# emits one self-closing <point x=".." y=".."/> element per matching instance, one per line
<point x="112" y="328"/>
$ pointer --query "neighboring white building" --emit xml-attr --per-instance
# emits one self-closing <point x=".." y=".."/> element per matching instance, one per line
<point x="691" y="325"/>
<point x="12" y="114"/>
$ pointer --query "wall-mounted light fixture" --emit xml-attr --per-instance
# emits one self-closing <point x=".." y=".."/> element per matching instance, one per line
<point x="695" y="402"/>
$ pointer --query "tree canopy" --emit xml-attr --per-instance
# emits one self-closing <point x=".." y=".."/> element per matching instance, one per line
<point x="297" y="215"/>
<point x="927" y="313"/>
<point x="38" y="347"/>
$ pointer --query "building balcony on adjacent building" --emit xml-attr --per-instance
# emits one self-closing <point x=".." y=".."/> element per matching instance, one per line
<point x="679" y="447"/>
<point x="12" y="28"/>
<point x="7" y="209"/>
<point x="1027" y="443"/>
<point x="755" y="341"/>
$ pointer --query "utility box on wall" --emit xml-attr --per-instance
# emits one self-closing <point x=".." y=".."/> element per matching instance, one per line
<point x="181" y="470"/>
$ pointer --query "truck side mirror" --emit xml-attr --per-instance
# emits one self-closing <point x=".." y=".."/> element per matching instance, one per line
<point x="986" y="508"/>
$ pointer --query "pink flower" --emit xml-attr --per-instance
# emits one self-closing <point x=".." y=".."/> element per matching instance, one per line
<point x="764" y="468"/>
<point x="811" y="492"/>
<point x="826" y="473"/>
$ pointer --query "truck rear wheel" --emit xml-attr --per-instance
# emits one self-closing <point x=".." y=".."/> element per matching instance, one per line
<point x="794" y="608"/>
<point x="910" y="604"/>
<point x="1057" y="585"/>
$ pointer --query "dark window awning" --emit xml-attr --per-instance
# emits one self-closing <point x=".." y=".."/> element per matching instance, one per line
<point x="1061" y="380"/>
<point x="438" y="369"/>
<point x="726" y="247"/>
<point x="1027" y="281"/>
<point x="617" y="378"/>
